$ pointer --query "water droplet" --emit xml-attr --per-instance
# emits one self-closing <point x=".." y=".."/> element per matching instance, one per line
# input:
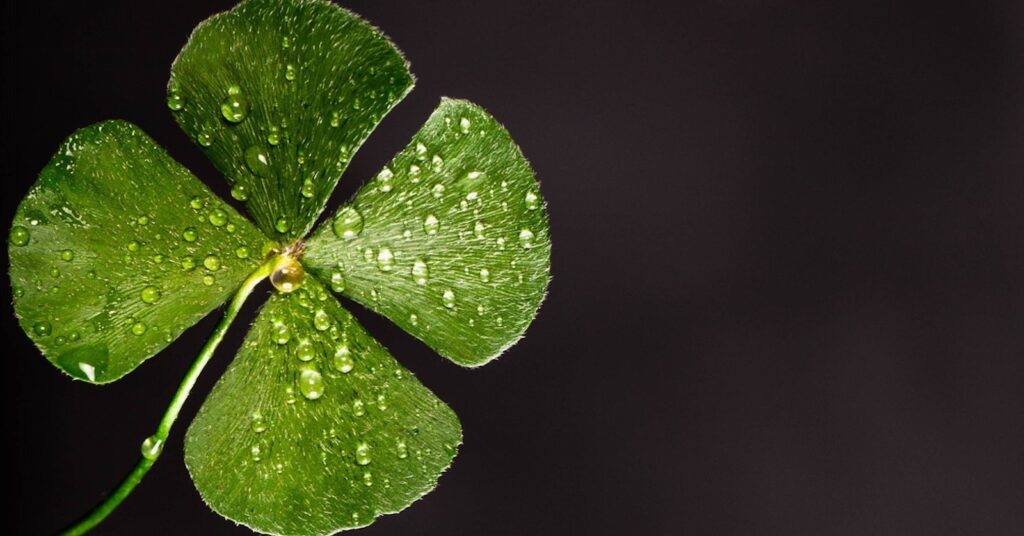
<point x="308" y="188"/>
<point x="273" y="135"/>
<point x="474" y="175"/>
<point x="368" y="478"/>
<point x="239" y="192"/>
<point x="257" y="453"/>
<point x="282" y="225"/>
<point x="480" y="310"/>
<point x="348" y="223"/>
<point x="310" y="383"/>
<point x="448" y="298"/>
<point x="258" y="424"/>
<point x="358" y="408"/>
<point x="175" y="101"/>
<point x="288" y="275"/>
<point x="464" y="125"/>
<point x="343" y="359"/>
<point x="420" y="272"/>
<point x="421" y="151"/>
<point x="152" y="447"/>
<point x="242" y="252"/>
<point x="67" y="255"/>
<point x="19" y="236"/>
<point x="526" y="238"/>
<point x="321" y="321"/>
<point x="368" y="254"/>
<point x="212" y="263"/>
<point x="280" y="333"/>
<point x="138" y="328"/>
<point x="500" y="242"/>
<point x="150" y="295"/>
<point x="305" y="351"/>
<point x="437" y="191"/>
<point x="218" y="217"/>
<point x="208" y="280"/>
<point x="413" y="319"/>
<point x="337" y="282"/>
<point x="385" y="259"/>
<point x="235" y="106"/>
<point x="414" y="173"/>
<point x="403" y="450"/>
<point x="382" y="402"/>
<point x="478" y="229"/>
<point x="363" y="454"/>
<point x="431" y="224"/>
<point x="384" y="180"/>
<point x="532" y="200"/>
<point x="289" y="72"/>
<point x="485" y="275"/>
<point x="335" y="119"/>
<point x="42" y="328"/>
<point x="437" y="163"/>
<point x="258" y="161"/>
<point x="190" y="234"/>
<point x="204" y="138"/>
<point x="133" y="246"/>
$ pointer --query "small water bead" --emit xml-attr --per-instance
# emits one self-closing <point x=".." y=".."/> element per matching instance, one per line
<point x="532" y="201"/>
<point x="218" y="217"/>
<point x="138" y="328"/>
<point x="311" y="384"/>
<point x="384" y="180"/>
<point x="437" y="162"/>
<point x="273" y="135"/>
<point x="478" y="229"/>
<point x="420" y="272"/>
<point x="19" y="236"/>
<point x="235" y="106"/>
<point x="385" y="259"/>
<point x="342" y="361"/>
<point x="437" y="191"/>
<point x="471" y="196"/>
<point x="175" y="101"/>
<point x="188" y="263"/>
<point x="485" y="275"/>
<point x="382" y="402"/>
<point x="402" y="449"/>
<point x="363" y="454"/>
<point x="242" y="252"/>
<point x="421" y="151"/>
<point x="190" y="234"/>
<point x="208" y="280"/>
<point x="280" y="333"/>
<point x="281" y="225"/>
<point x="526" y="237"/>
<point x="348" y="223"/>
<point x="305" y="351"/>
<point x="67" y="255"/>
<point x="414" y="173"/>
<point x="308" y="188"/>
<point x="150" y="295"/>
<point x="368" y="254"/>
<point x="151" y="447"/>
<point x="464" y="125"/>
<point x="368" y="478"/>
<point x="133" y="246"/>
<point x="258" y="161"/>
<point x="239" y="192"/>
<point x="211" y="263"/>
<point x="474" y="175"/>
<point x="258" y="425"/>
<point x="335" y="119"/>
<point x="500" y="242"/>
<point x="288" y="275"/>
<point x="321" y="320"/>
<point x="448" y="298"/>
<point x="431" y="224"/>
<point x="480" y="310"/>
<point x="358" y="408"/>
<point x="42" y="328"/>
<point x="257" y="453"/>
<point x="196" y="203"/>
<point x="337" y="282"/>
<point x="289" y="72"/>
<point x="204" y="138"/>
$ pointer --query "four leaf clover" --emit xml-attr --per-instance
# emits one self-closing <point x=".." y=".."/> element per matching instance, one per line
<point x="314" y="428"/>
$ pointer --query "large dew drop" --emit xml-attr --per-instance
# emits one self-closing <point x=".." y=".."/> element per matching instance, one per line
<point x="311" y="384"/>
<point x="288" y="275"/>
<point x="235" y="106"/>
<point x="348" y="223"/>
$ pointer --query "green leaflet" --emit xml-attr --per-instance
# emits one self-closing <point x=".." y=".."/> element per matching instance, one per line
<point x="280" y="95"/>
<point x="117" y="249"/>
<point x="314" y="427"/>
<point x="449" y="241"/>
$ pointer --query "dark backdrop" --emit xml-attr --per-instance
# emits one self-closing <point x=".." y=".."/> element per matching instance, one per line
<point x="788" y="248"/>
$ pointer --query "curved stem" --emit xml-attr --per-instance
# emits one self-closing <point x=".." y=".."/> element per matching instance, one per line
<point x="153" y="445"/>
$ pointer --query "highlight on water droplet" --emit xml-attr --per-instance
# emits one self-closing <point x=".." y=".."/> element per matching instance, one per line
<point x="348" y="223"/>
<point x="150" y="295"/>
<point x="151" y="447"/>
<point x="235" y="107"/>
<point x="420" y="272"/>
<point x="311" y="384"/>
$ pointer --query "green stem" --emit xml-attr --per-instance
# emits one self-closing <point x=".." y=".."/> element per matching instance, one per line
<point x="153" y="445"/>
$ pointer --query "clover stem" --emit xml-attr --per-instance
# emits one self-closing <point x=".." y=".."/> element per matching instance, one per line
<point x="153" y="445"/>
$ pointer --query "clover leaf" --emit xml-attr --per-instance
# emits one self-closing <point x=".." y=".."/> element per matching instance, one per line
<point x="314" y="428"/>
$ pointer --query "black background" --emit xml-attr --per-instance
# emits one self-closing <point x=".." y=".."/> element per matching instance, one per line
<point x="788" y="248"/>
